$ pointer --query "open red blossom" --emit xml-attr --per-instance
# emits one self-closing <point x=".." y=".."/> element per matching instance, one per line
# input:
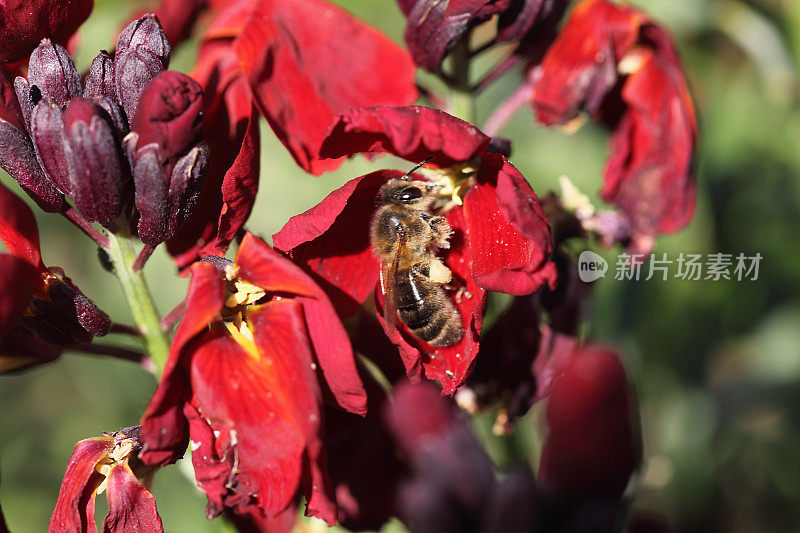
<point x="41" y="310"/>
<point x="241" y="383"/>
<point x="500" y="241"/>
<point x="614" y="62"/>
<point x="102" y="464"/>
<point x="24" y="23"/>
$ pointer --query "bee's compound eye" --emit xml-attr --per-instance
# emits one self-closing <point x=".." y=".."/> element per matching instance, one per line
<point x="409" y="194"/>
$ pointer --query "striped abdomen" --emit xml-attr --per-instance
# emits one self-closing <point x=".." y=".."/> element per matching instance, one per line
<point x="425" y="308"/>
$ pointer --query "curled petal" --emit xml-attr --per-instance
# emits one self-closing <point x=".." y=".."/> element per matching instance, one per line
<point x="435" y="27"/>
<point x="323" y="242"/>
<point x="289" y="50"/>
<point x="262" y="266"/>
<point x="131" y="507"/>
<point x="508" y="231"/>
<point x="412" y="132"/>
<point x="18" y="229"/>
<point x="75" y="506"/>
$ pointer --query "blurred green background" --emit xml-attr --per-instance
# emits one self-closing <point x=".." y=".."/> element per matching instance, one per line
<point x="716" y="364"/>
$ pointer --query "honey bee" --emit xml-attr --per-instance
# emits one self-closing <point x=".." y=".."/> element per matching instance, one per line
<point x="405" y="235"/>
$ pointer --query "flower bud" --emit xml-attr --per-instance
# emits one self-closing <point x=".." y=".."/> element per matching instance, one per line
<point x="169" y="160"/>
<point x="23" y="90"/>
<point x="100" y="80"/>
<point x="96" y="177"/>
<point x="51" y="70"/>
<point x="17" y="155"/>
<point x="142" y="54"/>
<point x="64" y="294"/>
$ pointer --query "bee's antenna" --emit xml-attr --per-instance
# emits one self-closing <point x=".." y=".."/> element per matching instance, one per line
<point x="407" y="174"/>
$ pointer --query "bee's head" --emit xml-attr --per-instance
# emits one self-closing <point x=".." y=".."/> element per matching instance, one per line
<point x="413" y="194"/>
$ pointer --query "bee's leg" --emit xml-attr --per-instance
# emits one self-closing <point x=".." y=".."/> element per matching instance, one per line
<point x="462" y="293"/>
<point x="441" y="231"/>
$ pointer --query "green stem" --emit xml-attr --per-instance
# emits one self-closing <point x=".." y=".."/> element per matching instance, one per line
<point x="462" y="99"/>
<point x="122" y="252"/>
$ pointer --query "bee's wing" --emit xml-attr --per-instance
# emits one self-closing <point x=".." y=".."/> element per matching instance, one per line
<point x="389" y="283"/>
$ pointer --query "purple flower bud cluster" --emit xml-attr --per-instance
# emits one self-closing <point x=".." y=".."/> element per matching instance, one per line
<point x="128" y="141"/>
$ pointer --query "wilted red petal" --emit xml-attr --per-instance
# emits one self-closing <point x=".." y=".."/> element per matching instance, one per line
<point x="265" y="406"/>
<point x="331" y="241"/>
<point x="581" y="65"/>
<point x="18" y="229"/>
<point x="649" y="175"/>
<point x="75" y="506"/>
<point x="593" y="444"/>
<point x="508" y="232"/>
<point x="412" y="132"/>
<point x="131" y="507"/>
<point x="435" y="27"/>
<point x="18" y="280"/>
<point x="23" y="23"/>
<point x="302" y="72"/>
<point x="530" y="20"/>
<point x="264" y="267"/>
<point x="164" y="428"/>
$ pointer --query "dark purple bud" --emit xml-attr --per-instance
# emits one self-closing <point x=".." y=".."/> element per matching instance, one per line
<point x="47" y="131"/>
<point x="100" y="80"/>
<point x="165" y="204"/>
<point x="56" y="325"/>
<point x="95" y="168"/>
<point x="51" y="69"/>
<point x="170" y="115"/>
<point x="146" y="33"/>
<point x="142" y="54"/>
<point x="75" y="304"/>
<point x="17" y="155"/>
<point x="23" y="91"/>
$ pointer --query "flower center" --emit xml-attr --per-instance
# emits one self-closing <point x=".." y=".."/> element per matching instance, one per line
<point x="240" y="298"/>
<point x="453" y="182"/>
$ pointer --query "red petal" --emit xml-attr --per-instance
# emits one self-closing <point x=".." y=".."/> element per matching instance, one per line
<point x="164" y="427"/>
<point x="593" y="447"/>
<point x="262" y="266"/>
<point x="20" y="349"/>
<point x="75" y="506"/>
<point x="649" y="174"/>
<point x="508" y="231"/>
<point x="23" y="24"/>
<point x="331" y="241"/>
<point x="412" y="132"/>
<point x="18" y="229"/>
<point x="131" y="507"/>
<point x="18" y="280"/>
<point x="451" y="365"/>
<point x="580" y="67"/>
<point x="264" y="409"/>
<point x="291" y="49"/>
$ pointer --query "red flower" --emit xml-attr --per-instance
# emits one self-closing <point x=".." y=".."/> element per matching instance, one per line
<point x="501" y="239"/>
<point x="103" y="464"/>
<point x="605" y="46"/>
<point x="40" y="308"/>
<point x="241" y="383"/>
<point x="23" y="23"/>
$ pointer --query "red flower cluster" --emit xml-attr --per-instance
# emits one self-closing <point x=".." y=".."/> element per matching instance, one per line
<point x="262" y="345"/>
